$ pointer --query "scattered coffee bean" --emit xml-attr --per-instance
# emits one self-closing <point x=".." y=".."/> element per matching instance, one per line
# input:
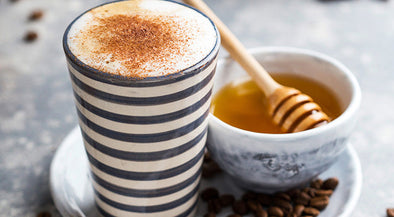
<point x="264" y="199"/>
<point x="330" y="184"/>
<point x="305" y="202"/>
<point x="260" y="212"/>
<point x="252" y="205"/>
<point x="316" y="184"/>
<point x="210" y="169"/>
<point x="310" y="191"/>
<point x="327" y="193"/>
<point x="249" y="196"/>
<point x="283" y="204"/>
<point x="311" y="211"/>
<point x="207" y="157"/>
<point x="283" y="196"/>
<point x="303" y="199"/>
<point x="226" y="199"/>
<point x="390" y="212"/>
<point x="298" y="209"/>
<point x="293" y="193"/>
<point x="234" y="215"/>
<point x="30" y="36"/>
<point x="240" y="207"/>
<point x="320" y="202"/>
<point x="214" y="206"/>
<point x="210" y="214"/>
<point x="209" y="194"/>
<point x="275" y="211"/>
<point x="36" y="15"/>
<point x="44" y="214"/>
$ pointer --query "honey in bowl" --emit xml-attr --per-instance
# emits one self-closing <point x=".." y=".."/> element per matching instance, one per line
<point x="243" y="105"/>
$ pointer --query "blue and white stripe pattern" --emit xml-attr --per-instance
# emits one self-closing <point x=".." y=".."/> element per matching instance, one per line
<point x="145" y="143"/>
<point x="144" y="138"/>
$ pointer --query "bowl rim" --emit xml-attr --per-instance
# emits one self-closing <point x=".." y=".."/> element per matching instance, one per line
<point x="344" y="117"/>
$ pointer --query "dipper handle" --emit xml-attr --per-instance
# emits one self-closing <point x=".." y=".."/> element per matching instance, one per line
<point x="238" y="51"/>
<point x="292" y="110"/>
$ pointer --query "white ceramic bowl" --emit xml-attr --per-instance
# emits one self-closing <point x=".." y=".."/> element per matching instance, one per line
<point x="273" y="162"/>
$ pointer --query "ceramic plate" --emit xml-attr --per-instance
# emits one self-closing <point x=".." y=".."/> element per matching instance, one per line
<point x="73" y="193"/>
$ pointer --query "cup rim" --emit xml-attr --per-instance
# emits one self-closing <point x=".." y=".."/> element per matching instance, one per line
<point x="189" y="70"/>
<point x="345" y="116"/>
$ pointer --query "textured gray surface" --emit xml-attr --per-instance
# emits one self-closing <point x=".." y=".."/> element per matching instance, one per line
<point x="36" y="109"/>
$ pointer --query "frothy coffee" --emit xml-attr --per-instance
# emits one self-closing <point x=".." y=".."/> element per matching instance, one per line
<point x="141" y="38"/>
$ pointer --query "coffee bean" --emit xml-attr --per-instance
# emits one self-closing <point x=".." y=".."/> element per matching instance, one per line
<point x="317" y="183"/>
<point x="311" y="211"/>
<point x="249" y="196"/>
<point x="44" y="214"/>
<point x="234" y="215"/>
<point x="36" y="15"/>
<point x="240" y="207"/>
<point x="264" y="199"/>
<point x="252" y="205"/>
<point x="390" y="212"/>
<point x="291" y="203"/>
<point x="214" y="206"/>
<point x="226" y="199"/>
<point x="275" y="211"/>
<point x="285" y="205"/>
<point x="209" y="194"/>
<point x="209" y="170"/>
<point x="293" y="193"/>
<point x="330" y="184"/>
<point x="210" y="214"/>
<point x="310" y="191"/>
<point x="215" y="167"/>
<point x="303" y="199"/>
<point x="207" y="173"/>
<point x="260" y="212"/>
<point x="30" y="36"/>
<point x="298" y="209"/>
<point x="327" y="193"/>
<point x="207" y="157"/>
<point x="320" y="202"/>
<point x="283" y="196"/>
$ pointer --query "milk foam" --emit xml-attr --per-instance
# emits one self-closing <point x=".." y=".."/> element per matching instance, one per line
<point x="195" y="33"/>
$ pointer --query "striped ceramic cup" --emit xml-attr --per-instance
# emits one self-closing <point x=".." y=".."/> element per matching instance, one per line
<point x="144" y="138"/>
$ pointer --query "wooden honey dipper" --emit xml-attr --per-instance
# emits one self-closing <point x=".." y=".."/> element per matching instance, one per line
<point x="292" y="110"/>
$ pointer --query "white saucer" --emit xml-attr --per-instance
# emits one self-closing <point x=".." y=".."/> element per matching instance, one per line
<point x="73" y="194"/>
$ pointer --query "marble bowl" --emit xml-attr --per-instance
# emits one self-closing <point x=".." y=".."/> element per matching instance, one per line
<point x="272" y="162"/>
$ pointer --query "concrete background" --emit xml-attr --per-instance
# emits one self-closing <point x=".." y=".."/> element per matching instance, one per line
<point x="37" y="111"/>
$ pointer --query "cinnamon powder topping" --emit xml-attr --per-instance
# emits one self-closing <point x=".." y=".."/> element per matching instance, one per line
<point x="139" y="42"/>
<point x="135" y="40"/>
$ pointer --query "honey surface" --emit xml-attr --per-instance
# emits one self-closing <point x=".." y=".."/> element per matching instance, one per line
<point x="242" y="104"/>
